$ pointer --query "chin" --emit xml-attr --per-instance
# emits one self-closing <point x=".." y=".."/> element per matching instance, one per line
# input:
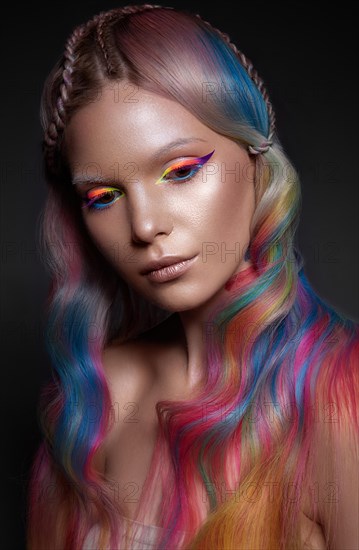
<point x="183" y="301"/>
<point x="174" y="305"/>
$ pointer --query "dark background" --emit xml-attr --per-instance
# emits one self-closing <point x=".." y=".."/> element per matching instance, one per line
<point x="306" y="55"/>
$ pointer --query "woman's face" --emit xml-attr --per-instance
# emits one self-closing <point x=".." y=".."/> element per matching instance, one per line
<point x="165" y="194"/>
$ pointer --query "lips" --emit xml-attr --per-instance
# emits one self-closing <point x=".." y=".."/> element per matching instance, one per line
<point x="165" y="261"/>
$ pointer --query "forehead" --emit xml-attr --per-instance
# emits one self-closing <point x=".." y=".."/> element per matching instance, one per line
<point x="128" y="121"/>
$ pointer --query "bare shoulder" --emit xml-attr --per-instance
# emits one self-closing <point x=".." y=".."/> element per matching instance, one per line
<point x="136" y="372"/>
<point x="128" y="369"/>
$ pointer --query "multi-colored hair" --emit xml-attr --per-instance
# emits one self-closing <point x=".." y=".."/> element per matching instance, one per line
<point x="274" y="348"/>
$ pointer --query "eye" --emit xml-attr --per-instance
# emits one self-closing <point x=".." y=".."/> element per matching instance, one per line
<point x="99" y="199"/>
<point x="182" y="174"/>
<point x="184" y="169"/>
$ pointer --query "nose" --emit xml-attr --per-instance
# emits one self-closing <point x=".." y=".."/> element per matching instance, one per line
<point x="149" y="215"/>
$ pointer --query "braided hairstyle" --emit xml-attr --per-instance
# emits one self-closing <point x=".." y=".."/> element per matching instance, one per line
<point x="88" y="291"/>
<point x="248" y="65"/>
<point x="101" y="25"/>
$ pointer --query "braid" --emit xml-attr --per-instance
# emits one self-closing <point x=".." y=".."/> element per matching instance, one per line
<point x="102" y="23"/>
<point x="248" y="65"/>
<point x="99" y="21"/>
<point x="58" y="120"/>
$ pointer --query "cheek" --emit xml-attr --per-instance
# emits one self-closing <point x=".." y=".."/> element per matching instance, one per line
<point x="240" y="208"/>
<point x="107" y="237"/>
<point x="229" y="210"/>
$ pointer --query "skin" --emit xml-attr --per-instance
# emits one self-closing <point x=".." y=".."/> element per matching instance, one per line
<point x="192" y="218"/>
<point x="208" y="216"/>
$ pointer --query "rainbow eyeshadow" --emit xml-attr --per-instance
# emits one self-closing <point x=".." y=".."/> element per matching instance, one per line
<point x="192" y="166"/>
<point x="95" y="194"/>
<point x="196" y="164"/>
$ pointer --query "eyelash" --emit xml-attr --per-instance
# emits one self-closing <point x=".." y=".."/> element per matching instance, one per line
<point x="91" y="203"/>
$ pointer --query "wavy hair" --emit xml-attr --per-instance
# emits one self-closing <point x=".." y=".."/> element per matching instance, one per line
<point x="234" y="458"/>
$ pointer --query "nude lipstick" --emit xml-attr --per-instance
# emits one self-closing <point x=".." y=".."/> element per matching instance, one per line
<point x="170" y="272"/>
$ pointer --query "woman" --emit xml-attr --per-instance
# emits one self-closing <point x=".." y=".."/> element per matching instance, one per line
<point x="203" y="396"/>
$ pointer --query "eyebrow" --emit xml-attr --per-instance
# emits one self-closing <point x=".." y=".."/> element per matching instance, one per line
<point x="177" y="143"/>
<point x="78" y="179"/>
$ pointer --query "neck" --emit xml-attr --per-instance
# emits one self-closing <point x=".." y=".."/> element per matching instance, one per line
<point x="194" y="325"/>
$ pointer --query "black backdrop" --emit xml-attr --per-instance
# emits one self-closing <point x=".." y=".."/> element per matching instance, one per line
<point x="306" y="55"/>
